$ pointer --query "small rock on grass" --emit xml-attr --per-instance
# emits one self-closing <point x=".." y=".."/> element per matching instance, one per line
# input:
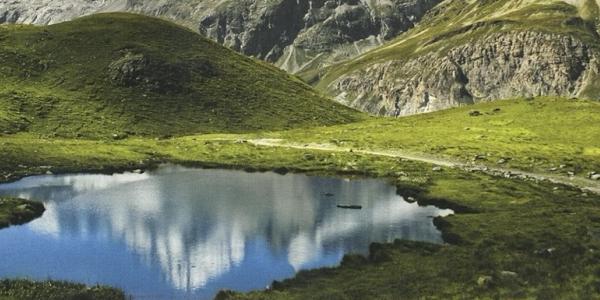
<point x="484" y="281"/>
<point x="508" y="274"/>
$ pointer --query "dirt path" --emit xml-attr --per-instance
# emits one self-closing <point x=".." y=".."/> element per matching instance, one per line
<point x="585" y="184"/>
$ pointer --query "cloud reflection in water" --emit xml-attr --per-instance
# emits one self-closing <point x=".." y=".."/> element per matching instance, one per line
<point x="206" y="230"/>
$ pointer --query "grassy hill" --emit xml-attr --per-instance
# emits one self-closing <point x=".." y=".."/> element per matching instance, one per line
<point x="123" y="74"/>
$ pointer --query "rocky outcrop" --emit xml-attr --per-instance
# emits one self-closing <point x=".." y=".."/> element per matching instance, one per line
<point x="499" y="66"/>
<point x="135" y="69"/>
<point x="299" y="35"/>
<point x="295" y="34"/>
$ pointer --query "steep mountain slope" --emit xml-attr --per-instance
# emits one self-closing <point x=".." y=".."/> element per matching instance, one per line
<point x="470" y="51"/>
<point x="297" y="35"/>
<point x="123" y="74"/>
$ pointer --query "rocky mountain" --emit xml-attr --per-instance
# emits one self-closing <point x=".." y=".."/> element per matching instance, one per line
<point x="296" y="35"/>
<point x="369" y="54"/>
<point x="119" y="74"/>
<point x="470" y="51"/>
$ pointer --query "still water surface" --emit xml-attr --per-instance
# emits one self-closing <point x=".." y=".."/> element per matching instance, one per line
<point x="181" y="233"/>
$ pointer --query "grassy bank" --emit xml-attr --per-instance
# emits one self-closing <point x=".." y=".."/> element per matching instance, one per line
<point x="15" y="211"/>
<point x="511" y="238"/>
<point x="543" y="135"/>
<point x="55" y="290"/>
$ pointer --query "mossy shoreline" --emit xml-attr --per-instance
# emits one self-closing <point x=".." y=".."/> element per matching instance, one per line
<point x="15" y="211"/>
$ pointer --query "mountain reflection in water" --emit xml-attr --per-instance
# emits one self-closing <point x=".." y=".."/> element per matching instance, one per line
<point x="179" y="232"/>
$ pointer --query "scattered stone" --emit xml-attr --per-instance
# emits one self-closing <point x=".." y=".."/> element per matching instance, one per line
<point x="555" y="188"/>
<point x="545" y="252"/>
<point x="595" y="177"/>
<point x="411" y="199"/>
<point x="479" y="157"/>
<point x="474" y="113"/>
<point x="484" y="281"/>
<point x="137" y="171"/>
<point x="552" y="169"/>
<point x="501" y="161"/>
<point x="49" y="172"/>
<point x="308" y="156"/>
<point x="571" y="173"/>
<point x="436" y="169"/>
<point x="562" y="166"/>
<point x="508" y="274"/>
<point x="119" y="136"/>
<point x="23" y="207"/>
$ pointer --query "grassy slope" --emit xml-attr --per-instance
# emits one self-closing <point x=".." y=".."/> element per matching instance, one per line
<point x="127" y="74"/>
<point x="457" y="22"/>
<point x="531" y="135"/>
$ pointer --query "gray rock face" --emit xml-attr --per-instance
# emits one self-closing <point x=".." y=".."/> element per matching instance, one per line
<point x="295" y="34"/>
<point x="500" y="66"/>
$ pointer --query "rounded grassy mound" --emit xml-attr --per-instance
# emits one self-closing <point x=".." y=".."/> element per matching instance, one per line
<point x="122" y="74"/>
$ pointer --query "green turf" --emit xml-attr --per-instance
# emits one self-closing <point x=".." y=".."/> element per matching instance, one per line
<point x="123" y="74"/>
<point x="539" y="135"/>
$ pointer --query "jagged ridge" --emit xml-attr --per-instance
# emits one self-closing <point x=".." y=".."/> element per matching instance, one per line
<point x="297" y="35"/>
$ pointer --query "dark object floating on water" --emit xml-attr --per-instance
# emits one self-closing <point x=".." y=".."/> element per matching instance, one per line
<point x="350" y="206"/>
<point x="329" y="195"/>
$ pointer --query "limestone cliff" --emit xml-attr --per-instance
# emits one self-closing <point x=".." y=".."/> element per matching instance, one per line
<point x="499" y="66"/>
<point x="468" y="51"/>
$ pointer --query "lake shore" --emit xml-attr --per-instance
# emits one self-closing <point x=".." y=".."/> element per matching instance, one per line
<point x="505" y="225"/>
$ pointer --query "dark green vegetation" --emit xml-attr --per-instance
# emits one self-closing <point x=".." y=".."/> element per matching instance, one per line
<point x="15" y="211"/>
<point x="55" y="290"/>
<point x="543" y="135"/>
<point x="117" y="75"/>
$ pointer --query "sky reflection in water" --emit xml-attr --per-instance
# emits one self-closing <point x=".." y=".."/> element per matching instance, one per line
<point x="187" y="233"/>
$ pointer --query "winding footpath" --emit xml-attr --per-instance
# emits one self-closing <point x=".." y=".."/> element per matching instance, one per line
<point x="582" y="183"/>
